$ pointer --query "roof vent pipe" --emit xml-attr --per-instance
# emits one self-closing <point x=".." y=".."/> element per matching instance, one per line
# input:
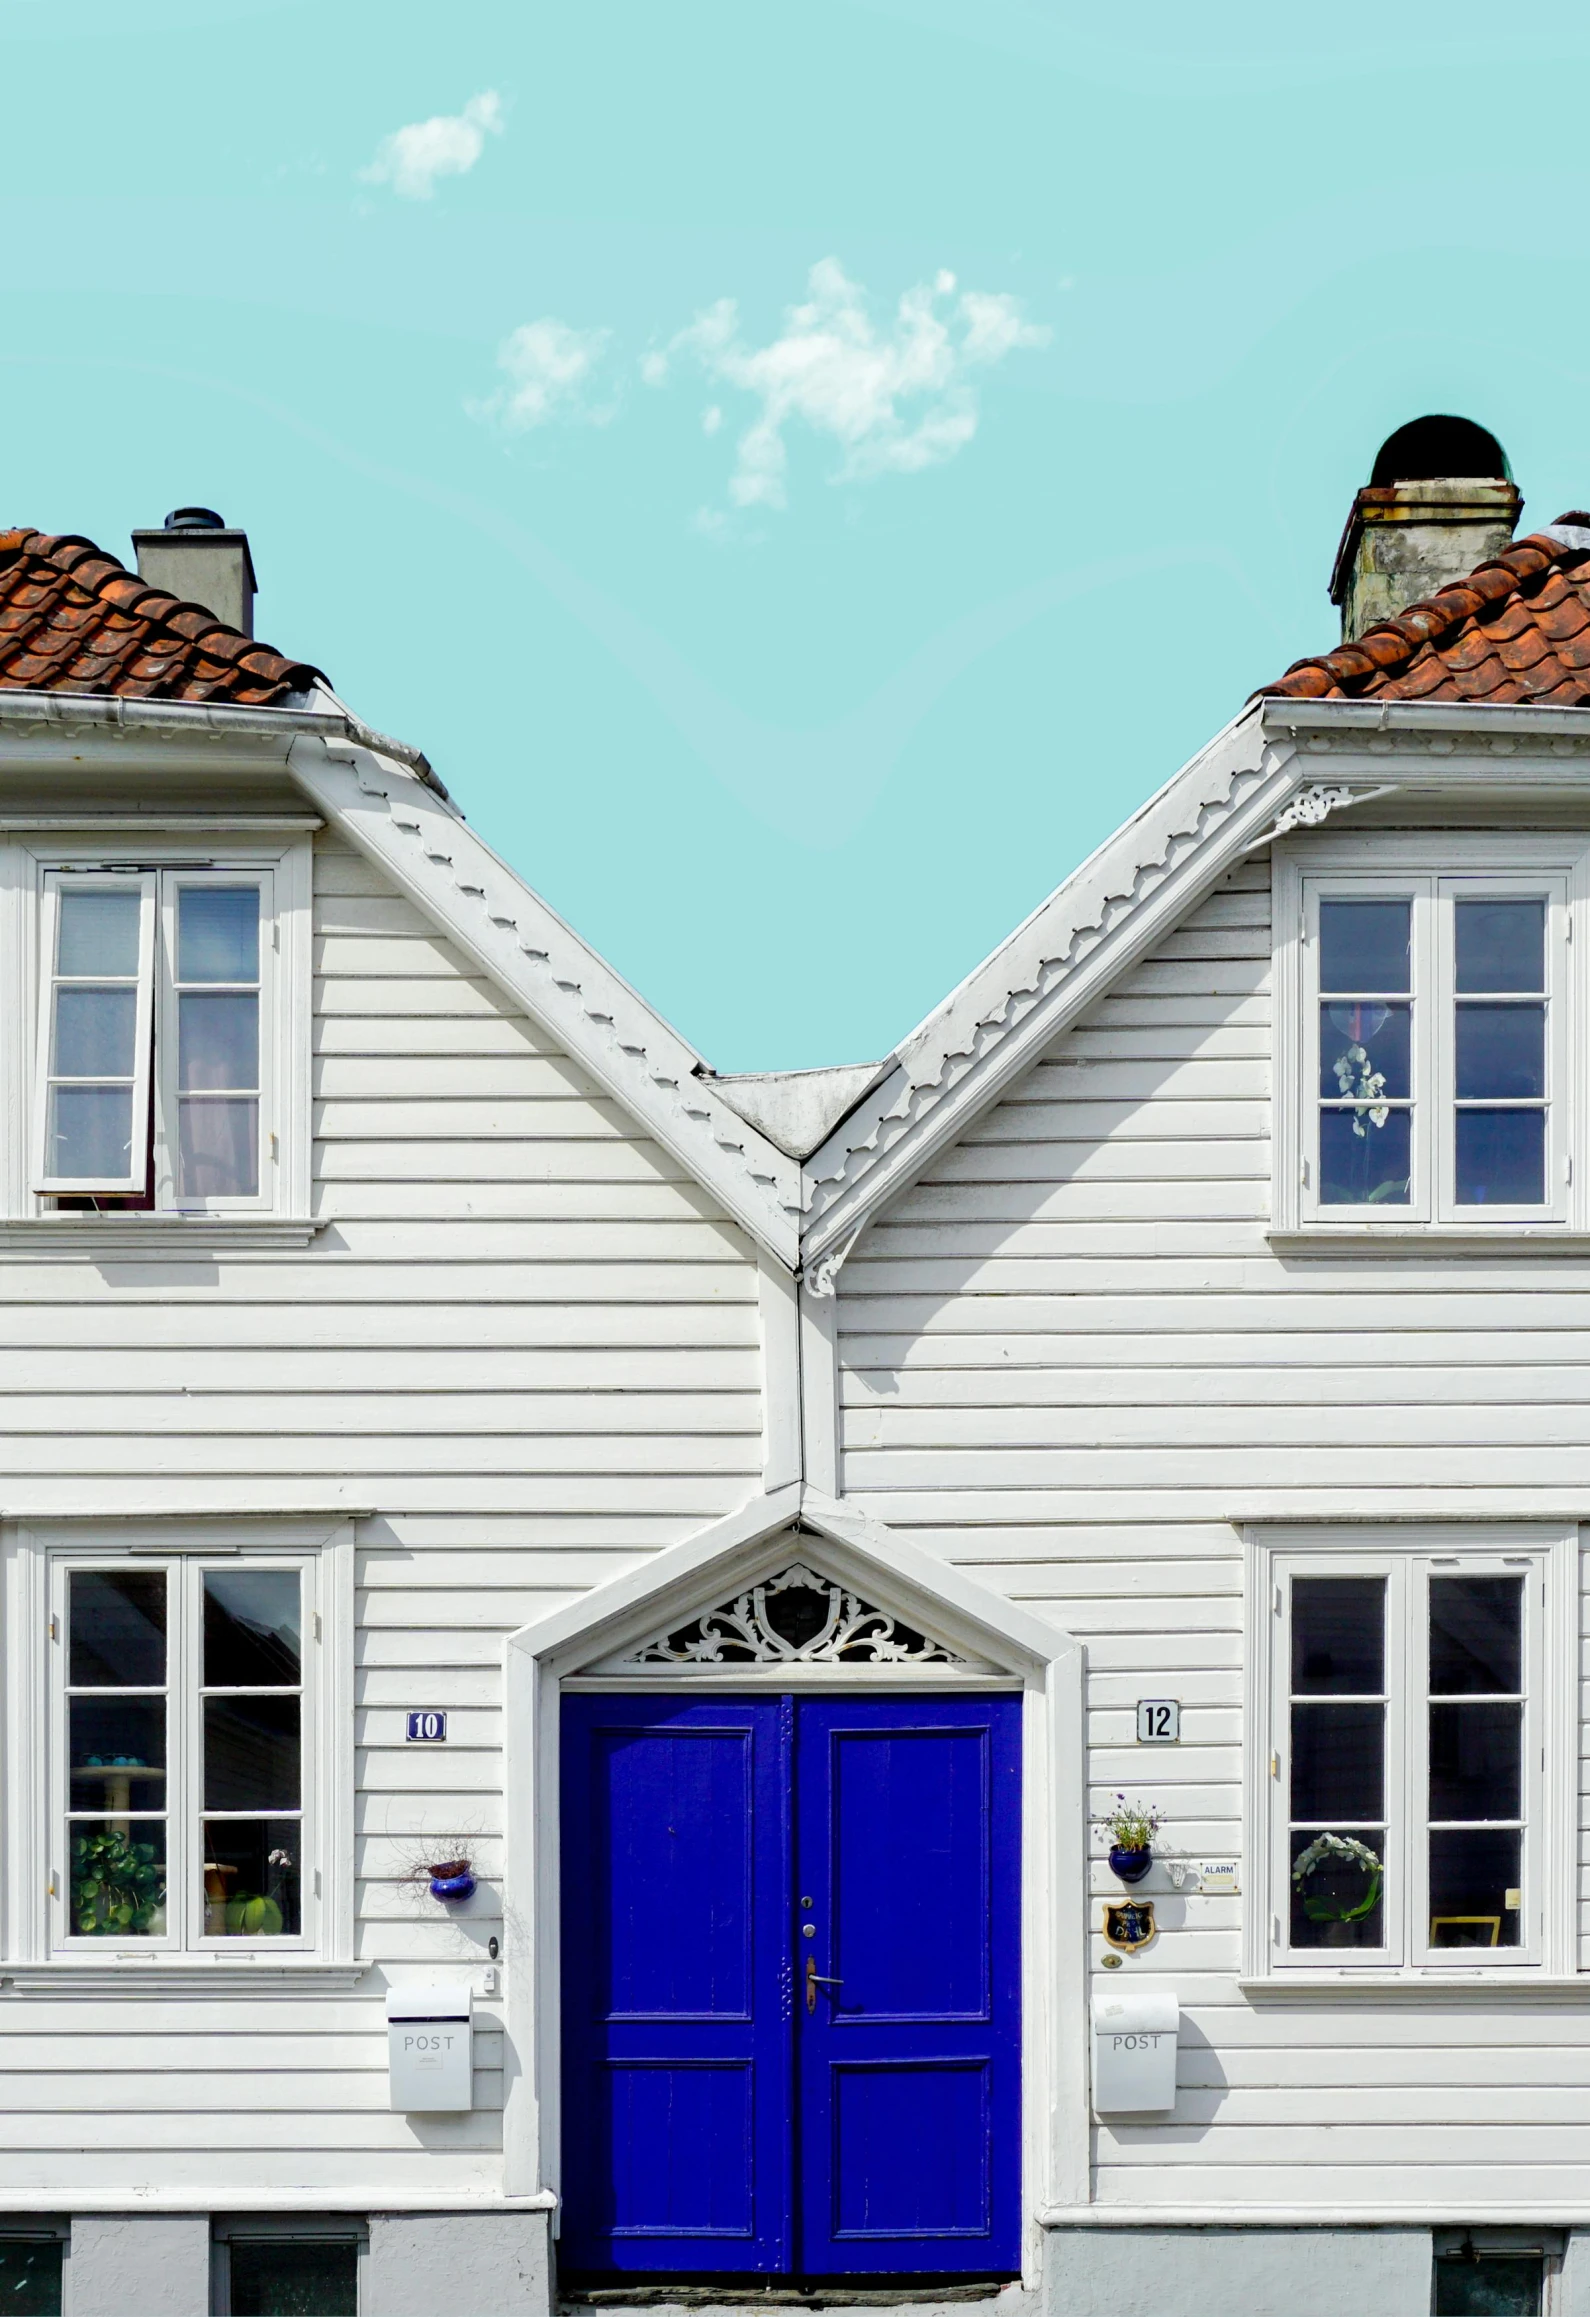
<point x="198" y="560"/>
<point x="1439" y="502"/>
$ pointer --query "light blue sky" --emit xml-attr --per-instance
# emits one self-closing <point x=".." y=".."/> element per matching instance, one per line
<point x="794" y="768"/>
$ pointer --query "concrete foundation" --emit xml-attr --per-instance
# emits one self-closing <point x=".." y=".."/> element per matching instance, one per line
<point x="1211" y="2272"/>
<point x="479" y="2262"/>
<point x="156" y="2263"/>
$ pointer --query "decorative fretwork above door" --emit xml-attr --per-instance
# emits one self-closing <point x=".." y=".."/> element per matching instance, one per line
<point x="797" y="1617"/>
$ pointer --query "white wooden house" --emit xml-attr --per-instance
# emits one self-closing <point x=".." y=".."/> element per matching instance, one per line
<point x="809" y="1502"/>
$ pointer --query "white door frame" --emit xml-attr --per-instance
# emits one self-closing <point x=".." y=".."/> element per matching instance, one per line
<point x="1010" y="1647"/>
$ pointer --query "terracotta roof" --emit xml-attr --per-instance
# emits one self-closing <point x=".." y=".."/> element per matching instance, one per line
<point x="75" y="620"/>
<point x="1518" y="628"/>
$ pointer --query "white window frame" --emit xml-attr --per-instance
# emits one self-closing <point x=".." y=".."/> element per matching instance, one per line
<point x="31" y="874"/>
<point x="1546" y="1555"/>
<point x="1434" y="871"/>
<point x="37" y="1558"/>
<point x="144" y="884"/>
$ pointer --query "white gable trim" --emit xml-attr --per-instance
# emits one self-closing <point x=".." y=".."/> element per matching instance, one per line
<point x="433" y="856"/>
<point x="671" y="1588"/>
<point x="1279" y="759"/>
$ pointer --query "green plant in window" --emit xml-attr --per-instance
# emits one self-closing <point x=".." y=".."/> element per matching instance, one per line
<point x="118" y="1885"/>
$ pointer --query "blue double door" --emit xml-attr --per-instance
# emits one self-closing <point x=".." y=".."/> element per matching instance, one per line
<point x="791" y="2008"/>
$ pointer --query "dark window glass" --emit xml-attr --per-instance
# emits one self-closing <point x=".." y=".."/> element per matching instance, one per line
<point x="1364" y="945"/>
<point x="1501" y="945"/>
<point x="252" y="1885"/>
<point x="1365" y="1052"/>
<point x="118" y="1629"/>
<point x="252" y="1626"/>
<point x="1338" y="1636"/>
<point x="30" y="2277"/>
<point x="1364" y="1157"/>
<point x="294" y="2277"/>
<point x="1337" y="1891"/>
<point x="1492" y="2285"/>
<point x="1501" y="1158"/>
<point x="1474" y="1761"/>
<point x="1476" y="1636"/>
<point x="251" y="1753"/>
<point x="1501" y="1052"/>
<point x="1338" y="1756"/>
<point x="1475" y="1886"/>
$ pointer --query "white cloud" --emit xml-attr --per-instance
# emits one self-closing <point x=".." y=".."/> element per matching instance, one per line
<point x="448" y="145"/>
<point x="549" y="365"/>
<point x="896" y="399"/>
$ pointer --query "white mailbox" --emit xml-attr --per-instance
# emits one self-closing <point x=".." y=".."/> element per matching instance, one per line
<point x="1134" y="2053"/>
<point x="428" y="2047"/>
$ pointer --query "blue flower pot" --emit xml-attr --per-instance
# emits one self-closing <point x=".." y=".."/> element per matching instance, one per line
<point x="1130" y="1865"/>
<point x="453" y="1886"/>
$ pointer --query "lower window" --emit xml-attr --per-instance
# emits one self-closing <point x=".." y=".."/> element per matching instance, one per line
<point x="1484" y="2281"/>
<point x="30" y="2275"/>
<point x="283" y="2272"/>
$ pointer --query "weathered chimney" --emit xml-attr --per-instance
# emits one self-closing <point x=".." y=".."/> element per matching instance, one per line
<point x="1440" y="500"/>
<point x="196" y="558"/>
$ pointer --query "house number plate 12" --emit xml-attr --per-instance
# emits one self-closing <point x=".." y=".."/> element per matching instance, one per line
<point x="1158" y="1721"/>
<point x="427" y="1729"/>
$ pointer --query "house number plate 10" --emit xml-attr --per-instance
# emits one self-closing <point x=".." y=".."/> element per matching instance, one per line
<point x="430" y="1728"/>
<point x="1158" y="1721"/>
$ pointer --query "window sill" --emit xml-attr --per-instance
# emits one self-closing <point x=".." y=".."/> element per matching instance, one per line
<point x="1432" y="1239"/>
<point x="155" y="1235"/>
<point x="1523" y="1980"/>
<point x="186" y="1975"/>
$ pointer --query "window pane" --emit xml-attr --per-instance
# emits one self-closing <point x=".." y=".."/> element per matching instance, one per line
<point x="1474" y="1887"/>
<point x="90" y="1132"/>
<point x="251" y="1628"/>
<point x="1364" y="945"/>
<point x="1476" y="1636"/>
<point x="98" y="935"/>
<point x="217" y="1149"/>
<point x="217" y="933"/>
<point x="218" y="1041"/>
<point x="1362" y="1163"/>
<point x="1494" y="2285"/>
<point x="1338" y="1755"/>
<point x="30" y="2278"/>
<point x="1338" y="1636"/>
<point x="117" y="1753"/>
<point x="1501" y="1050"/>
<point x="1364" y="1051"/>
<point x="118" y="1878"/>
<point x="251" y="1753"/>
<point x="1337" y="1890"/>
<point x="251" y="1880"/>
<point x="1501" y="945"/>
<point x="117" y="1624"/>
<point x="278" y="2278"/>
<point x="1501" y="1158"/>
<point x="96" y="1033"/>
<point x="1475" y="1756"/>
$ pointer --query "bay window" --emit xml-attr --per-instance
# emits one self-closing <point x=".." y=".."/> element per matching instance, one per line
<point x="1414" y="1703"/>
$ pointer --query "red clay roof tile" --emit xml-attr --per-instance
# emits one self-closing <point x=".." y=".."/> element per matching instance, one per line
<point x="1518" y="628"/>
<point x="75" y="620"/>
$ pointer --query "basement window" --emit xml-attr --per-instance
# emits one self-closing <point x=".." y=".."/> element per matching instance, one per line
<point x="1494" y="2272"/>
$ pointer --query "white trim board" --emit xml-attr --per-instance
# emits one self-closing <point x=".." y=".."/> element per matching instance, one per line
<point x="682" y="1582"/>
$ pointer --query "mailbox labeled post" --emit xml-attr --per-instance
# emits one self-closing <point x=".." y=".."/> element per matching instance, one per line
<point x="1134" y="2053"/>
<point x="428" y="2035"/>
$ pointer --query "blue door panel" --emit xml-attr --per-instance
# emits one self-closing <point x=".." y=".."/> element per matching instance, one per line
<point x="718" y="2113"/>
<point x="676" y="2013"/>
<point x="911" y="2150"/>
<point x="909" y="2069"/>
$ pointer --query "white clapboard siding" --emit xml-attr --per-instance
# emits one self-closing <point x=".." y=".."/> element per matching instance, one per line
<point x="534" y="1346"/>
<point x="1068" y="1360"/>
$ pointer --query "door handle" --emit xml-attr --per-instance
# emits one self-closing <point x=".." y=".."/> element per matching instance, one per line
<point x="814" y="1980"/>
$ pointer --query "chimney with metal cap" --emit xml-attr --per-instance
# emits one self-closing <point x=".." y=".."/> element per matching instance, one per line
<point x="1439" y="501"/>
<point x="198" y="560"/>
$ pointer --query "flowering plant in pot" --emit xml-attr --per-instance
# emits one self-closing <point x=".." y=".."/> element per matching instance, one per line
<point x="1131" y="1828"/>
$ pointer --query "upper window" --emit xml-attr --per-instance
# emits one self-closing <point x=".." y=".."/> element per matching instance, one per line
<point x="1413" y="1713"/>
<point x="168" y="1070"/>
<point x="1425" y="1046"/>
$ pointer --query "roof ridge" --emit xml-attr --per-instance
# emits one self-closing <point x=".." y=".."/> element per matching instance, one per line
<point x="1391" y="641"/>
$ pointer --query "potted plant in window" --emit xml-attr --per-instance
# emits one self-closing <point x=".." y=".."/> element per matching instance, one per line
<point x="118" y="1886"/>
<point x="1131" y="1828"/>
